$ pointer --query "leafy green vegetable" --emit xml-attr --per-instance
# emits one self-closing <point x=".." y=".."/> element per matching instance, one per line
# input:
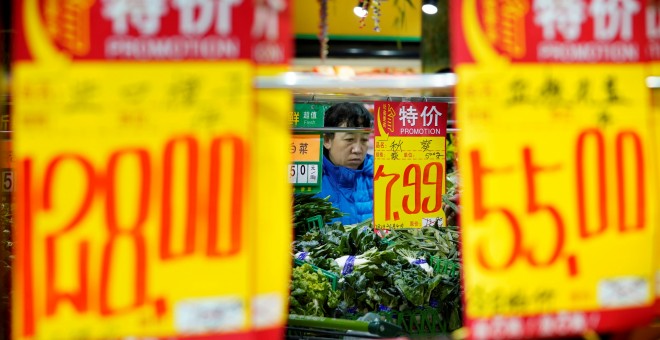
<point x="306" y="206"/>
<point x="390" y="274"/>
<point x="311" y="293"/>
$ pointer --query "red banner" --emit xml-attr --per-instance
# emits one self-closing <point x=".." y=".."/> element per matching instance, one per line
<point x="162" y="29"/>
<point x="412" y="119"/>
<point x="572" y="31"/>
<point x="272" y="41"/>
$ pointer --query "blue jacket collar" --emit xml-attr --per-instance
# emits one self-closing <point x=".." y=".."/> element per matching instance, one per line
<point x="345" y="177"/>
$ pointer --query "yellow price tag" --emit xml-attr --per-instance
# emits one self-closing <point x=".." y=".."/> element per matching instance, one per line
<point x="558" y="198"/>
<point x="409" y="175"/>
<point x="133" y="202"/>
<point x="273" y="234"/>
<point x="655" y="111"/>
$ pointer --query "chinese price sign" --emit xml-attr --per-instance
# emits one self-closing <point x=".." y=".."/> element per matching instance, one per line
<point x="133" y="177"/>
<point x="306" y="149"/>
<point x="305" y="172"/>
<point x="556" y="167"/>
<point x="409" y="179"/>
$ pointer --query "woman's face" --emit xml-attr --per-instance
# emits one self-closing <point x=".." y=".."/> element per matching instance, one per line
<point x="347" y="149"/>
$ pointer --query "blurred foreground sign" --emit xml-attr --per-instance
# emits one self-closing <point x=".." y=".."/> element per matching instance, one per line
<point x="555" y="163"/>
<point x="133" y="176"/>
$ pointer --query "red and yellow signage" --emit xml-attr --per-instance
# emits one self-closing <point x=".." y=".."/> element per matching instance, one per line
<point x="271" y="50"/>
<point x="409" y="175"/>
<point x="556" y="167"/>
<point x="135" y="170"/>
<point x="653" y="39"/>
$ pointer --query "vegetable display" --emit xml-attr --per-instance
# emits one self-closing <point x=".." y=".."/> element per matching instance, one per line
<point x="399" y="272"/>
<point x="311" y="293"/>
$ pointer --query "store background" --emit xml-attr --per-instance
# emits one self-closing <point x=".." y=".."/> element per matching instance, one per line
<point x="418" y="44"/>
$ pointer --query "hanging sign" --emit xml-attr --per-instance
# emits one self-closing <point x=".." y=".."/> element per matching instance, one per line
<point x="409" y="179"/>
<point x="305" y="172"/>
<point x="133" y="169"/>
<point x="306" y="149"/>
<point x="556" y="167"/>
<point x="308" y="115"/>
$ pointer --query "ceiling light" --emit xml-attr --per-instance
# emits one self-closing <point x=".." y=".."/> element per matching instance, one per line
<point x="359" y="11"/>
<point x="430" y="7"/>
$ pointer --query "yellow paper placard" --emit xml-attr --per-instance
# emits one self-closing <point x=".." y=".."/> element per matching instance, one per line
<point x="273" y="235"/>
<point x="655" y="123"/>
<point x="558" y="193"/>
<point x="409" y="166"/>
<point x="133" y="199"/>
<point x="408" y="190"/>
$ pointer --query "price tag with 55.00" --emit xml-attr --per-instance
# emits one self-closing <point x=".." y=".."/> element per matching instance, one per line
<point x="558" y="197"/>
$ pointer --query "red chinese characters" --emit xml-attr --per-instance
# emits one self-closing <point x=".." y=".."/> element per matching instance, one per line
<point x="562" y="31"/>
<point x="411" y="119"/>
<point x="163" y="30"/>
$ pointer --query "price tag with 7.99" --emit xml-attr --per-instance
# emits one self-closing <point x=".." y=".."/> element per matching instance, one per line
<point x="409" y="165"/>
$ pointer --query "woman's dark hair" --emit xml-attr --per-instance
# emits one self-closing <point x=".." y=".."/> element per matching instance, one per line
<point x="351" y="114"/>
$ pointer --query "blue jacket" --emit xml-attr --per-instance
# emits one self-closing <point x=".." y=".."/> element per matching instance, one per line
<point x="351" y="191"/>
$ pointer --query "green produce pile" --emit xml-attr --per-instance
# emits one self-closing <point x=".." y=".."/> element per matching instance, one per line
<point x="307" y="206"/>
<point x="311" y="293"/>
<point x="388" y="274"/>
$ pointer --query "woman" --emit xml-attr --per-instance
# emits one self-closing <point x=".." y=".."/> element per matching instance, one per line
<point x="348" y="169"/>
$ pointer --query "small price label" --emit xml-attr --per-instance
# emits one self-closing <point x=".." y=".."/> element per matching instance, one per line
<point x="409" y="174"/>
<point x="304" y="172"/>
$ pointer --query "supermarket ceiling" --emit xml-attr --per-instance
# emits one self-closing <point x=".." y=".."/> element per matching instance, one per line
<point x="394" y="34"/>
